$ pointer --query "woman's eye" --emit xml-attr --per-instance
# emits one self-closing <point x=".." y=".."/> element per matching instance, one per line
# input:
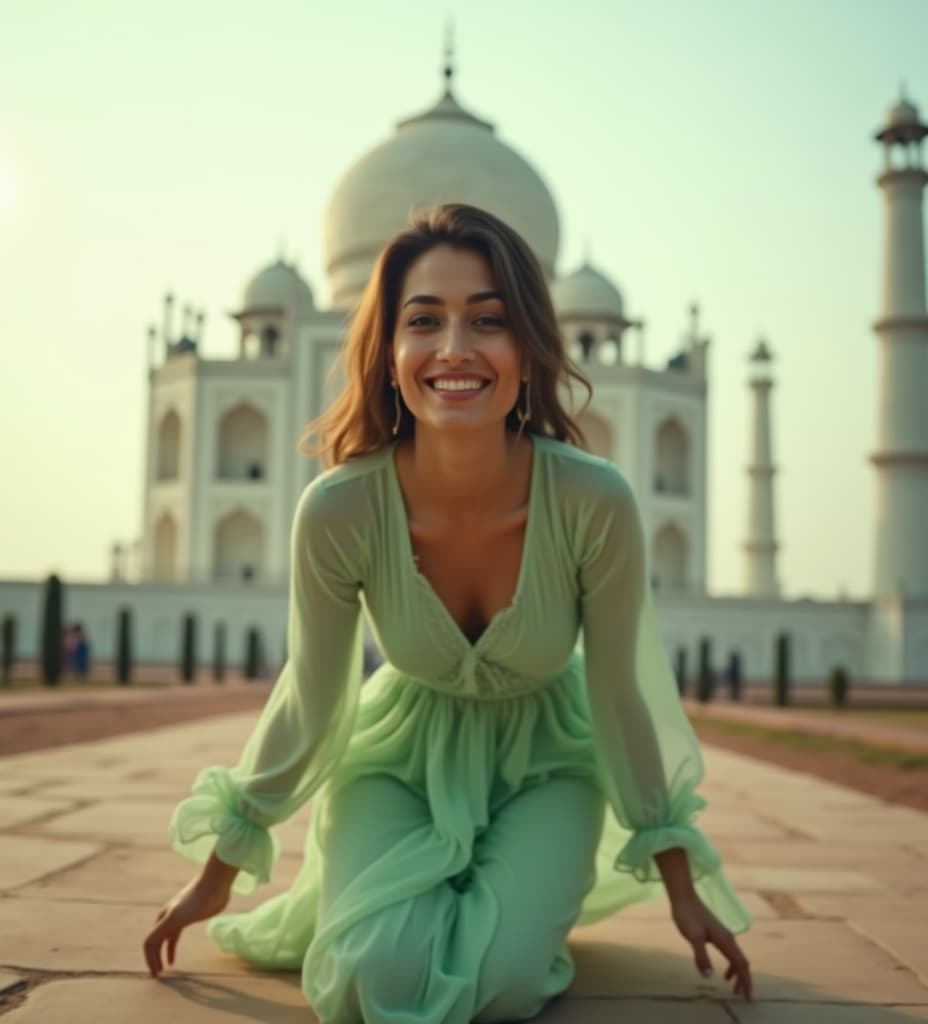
<point x="421" y="320"/>
<point x="488" y="320"/>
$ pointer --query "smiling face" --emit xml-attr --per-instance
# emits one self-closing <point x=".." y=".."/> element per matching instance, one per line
<point x="453" y="355"/>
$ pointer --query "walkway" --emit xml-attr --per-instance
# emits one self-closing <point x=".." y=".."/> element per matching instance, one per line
<point x="838" y="882"/>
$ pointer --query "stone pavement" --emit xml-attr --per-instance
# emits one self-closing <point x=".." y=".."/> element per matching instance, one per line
<point x="838" y="883"/>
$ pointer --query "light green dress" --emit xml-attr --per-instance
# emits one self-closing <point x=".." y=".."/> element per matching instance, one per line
<point x="458" y="828"/>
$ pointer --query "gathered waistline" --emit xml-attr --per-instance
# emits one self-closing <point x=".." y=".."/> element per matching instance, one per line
<point x="535" y="685"/>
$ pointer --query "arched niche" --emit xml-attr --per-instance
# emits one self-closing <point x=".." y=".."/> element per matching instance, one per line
<point x="165" y="548"/>
<point x="599" y="433"/>
<point x="167" y="459"/>
<point x="670" y="558"/>
<point x="243" y="444"/>
<point x="238" y="547"/>
<point x="671" y="473"/>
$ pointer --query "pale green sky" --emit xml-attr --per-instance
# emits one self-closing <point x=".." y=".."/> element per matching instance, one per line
<point x="719" y="151"/>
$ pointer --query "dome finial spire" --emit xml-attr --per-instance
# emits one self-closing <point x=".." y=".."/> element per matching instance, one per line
<point x="449" y="55"/>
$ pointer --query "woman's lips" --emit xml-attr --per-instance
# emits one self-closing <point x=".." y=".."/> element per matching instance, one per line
<point x="458" y="394"/>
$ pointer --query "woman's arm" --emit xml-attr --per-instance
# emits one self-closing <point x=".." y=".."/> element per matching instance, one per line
<point x="648" y="754"/>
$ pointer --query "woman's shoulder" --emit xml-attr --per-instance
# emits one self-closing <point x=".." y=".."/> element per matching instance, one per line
<point x="580" y="475"/>
<point x="339" y="493"/>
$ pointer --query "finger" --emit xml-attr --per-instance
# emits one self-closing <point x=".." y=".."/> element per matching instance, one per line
<point x="153" y="954"/>
<point x="703" y="963"/>
<point x="172" y="946"/>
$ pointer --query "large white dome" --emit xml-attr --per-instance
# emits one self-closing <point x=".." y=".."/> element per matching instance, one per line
<point x="443" y="155"/>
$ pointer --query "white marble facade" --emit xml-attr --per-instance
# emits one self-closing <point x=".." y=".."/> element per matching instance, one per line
<point x="223" y="474"/>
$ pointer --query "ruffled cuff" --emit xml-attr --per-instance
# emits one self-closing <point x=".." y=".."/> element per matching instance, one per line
<point x="637" y="856"/>
<point x="212" y="820"/>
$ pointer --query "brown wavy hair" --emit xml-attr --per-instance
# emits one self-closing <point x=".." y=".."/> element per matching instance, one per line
<point x="360" y="419"/>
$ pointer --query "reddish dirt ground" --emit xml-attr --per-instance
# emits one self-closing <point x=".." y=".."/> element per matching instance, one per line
<point x="38" y="730"/>
<point x="888" y="782"/>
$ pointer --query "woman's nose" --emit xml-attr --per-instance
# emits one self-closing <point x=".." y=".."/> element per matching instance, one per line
<point x="455" y="342"/>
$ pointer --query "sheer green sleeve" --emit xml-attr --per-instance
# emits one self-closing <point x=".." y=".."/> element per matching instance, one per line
<point x="305" y="725"/>
<point x="647" y="751"/>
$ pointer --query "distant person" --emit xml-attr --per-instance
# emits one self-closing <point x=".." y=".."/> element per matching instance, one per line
<point x="81" y="653"/>
<point x="68" y="647"/>
<point x="465" y="795"/>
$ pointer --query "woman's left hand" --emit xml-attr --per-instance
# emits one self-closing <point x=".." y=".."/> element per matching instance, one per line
<point x="698" y="925"/>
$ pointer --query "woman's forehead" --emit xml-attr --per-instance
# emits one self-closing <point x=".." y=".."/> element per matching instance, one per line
<point x="447" y="272"/>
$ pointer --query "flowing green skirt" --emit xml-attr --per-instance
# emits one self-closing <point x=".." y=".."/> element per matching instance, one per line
<point x="449" y="855"/>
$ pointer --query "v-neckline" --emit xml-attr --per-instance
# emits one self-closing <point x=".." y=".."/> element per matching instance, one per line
<point x="409" y="558"/>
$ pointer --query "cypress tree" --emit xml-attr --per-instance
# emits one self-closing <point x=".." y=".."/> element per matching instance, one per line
<point x="188" y="656"/>
<point x="681" y="671"/>
<point x="252" y="653"/>
<point x="782" y="680"/>
<point x="50" y="646"/>
<point x="124" y="646"/>
<point x="704" y="686"/>
<point x="219" y="652"/>
<point x="8" y="643"/>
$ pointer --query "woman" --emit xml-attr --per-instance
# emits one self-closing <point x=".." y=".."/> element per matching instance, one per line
<point x="459" y="826"/>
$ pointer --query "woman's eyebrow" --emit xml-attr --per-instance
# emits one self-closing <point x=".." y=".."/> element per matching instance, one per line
<point x="434" y="300"/>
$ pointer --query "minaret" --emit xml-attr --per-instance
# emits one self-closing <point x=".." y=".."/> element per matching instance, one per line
<point x="901" y="456"/>
<point x="760" y="548"/>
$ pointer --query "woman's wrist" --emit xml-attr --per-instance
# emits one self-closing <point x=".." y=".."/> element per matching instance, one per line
<point x="675" y="871"/>
<point x="217" y="872"/>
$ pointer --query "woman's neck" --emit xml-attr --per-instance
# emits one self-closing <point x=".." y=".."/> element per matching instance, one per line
<point x="457" y="475"/>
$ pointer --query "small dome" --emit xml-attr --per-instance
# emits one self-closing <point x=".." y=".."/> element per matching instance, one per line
<point x="587" y="293"/>
<point x="902" y="115"/>
<point x="278" y="286"/>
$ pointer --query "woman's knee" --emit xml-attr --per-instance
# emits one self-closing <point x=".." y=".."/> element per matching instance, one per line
<point x="512" y="988"/>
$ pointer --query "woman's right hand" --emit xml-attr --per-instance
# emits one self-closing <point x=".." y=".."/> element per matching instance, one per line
<point x="202" y="897"/>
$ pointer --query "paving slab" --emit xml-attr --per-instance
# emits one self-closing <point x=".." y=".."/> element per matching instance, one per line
<point x="117" y="821"/>
<point x="17" y="810"/>
<point x="123" y="875"/>
<point x="26" y="858"/>
<point x="801" y="879"/>
<point x="906" y="940"/>
<point x="567" y="1010"/>
<point x="63" y="935"/>
<point x="659" y="909"/>
<point x="180" y="999"/>
<point x="8" y="979"/>
<point x="895" y="906"/>
<point x="831" y="1013"/>
<point x="797" y="960"/>
<point x="815" y="854"/>
<point x="109" y="789"/>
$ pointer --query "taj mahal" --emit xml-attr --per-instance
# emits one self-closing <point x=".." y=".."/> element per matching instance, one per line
<point x="223" y="474"/>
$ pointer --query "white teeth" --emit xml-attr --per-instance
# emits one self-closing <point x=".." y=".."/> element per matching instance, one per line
<point x="457" y="385"/>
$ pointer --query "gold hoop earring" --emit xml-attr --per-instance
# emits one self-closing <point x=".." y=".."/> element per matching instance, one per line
<point x="399" y="411"/>
<point x="524" y="417"/>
